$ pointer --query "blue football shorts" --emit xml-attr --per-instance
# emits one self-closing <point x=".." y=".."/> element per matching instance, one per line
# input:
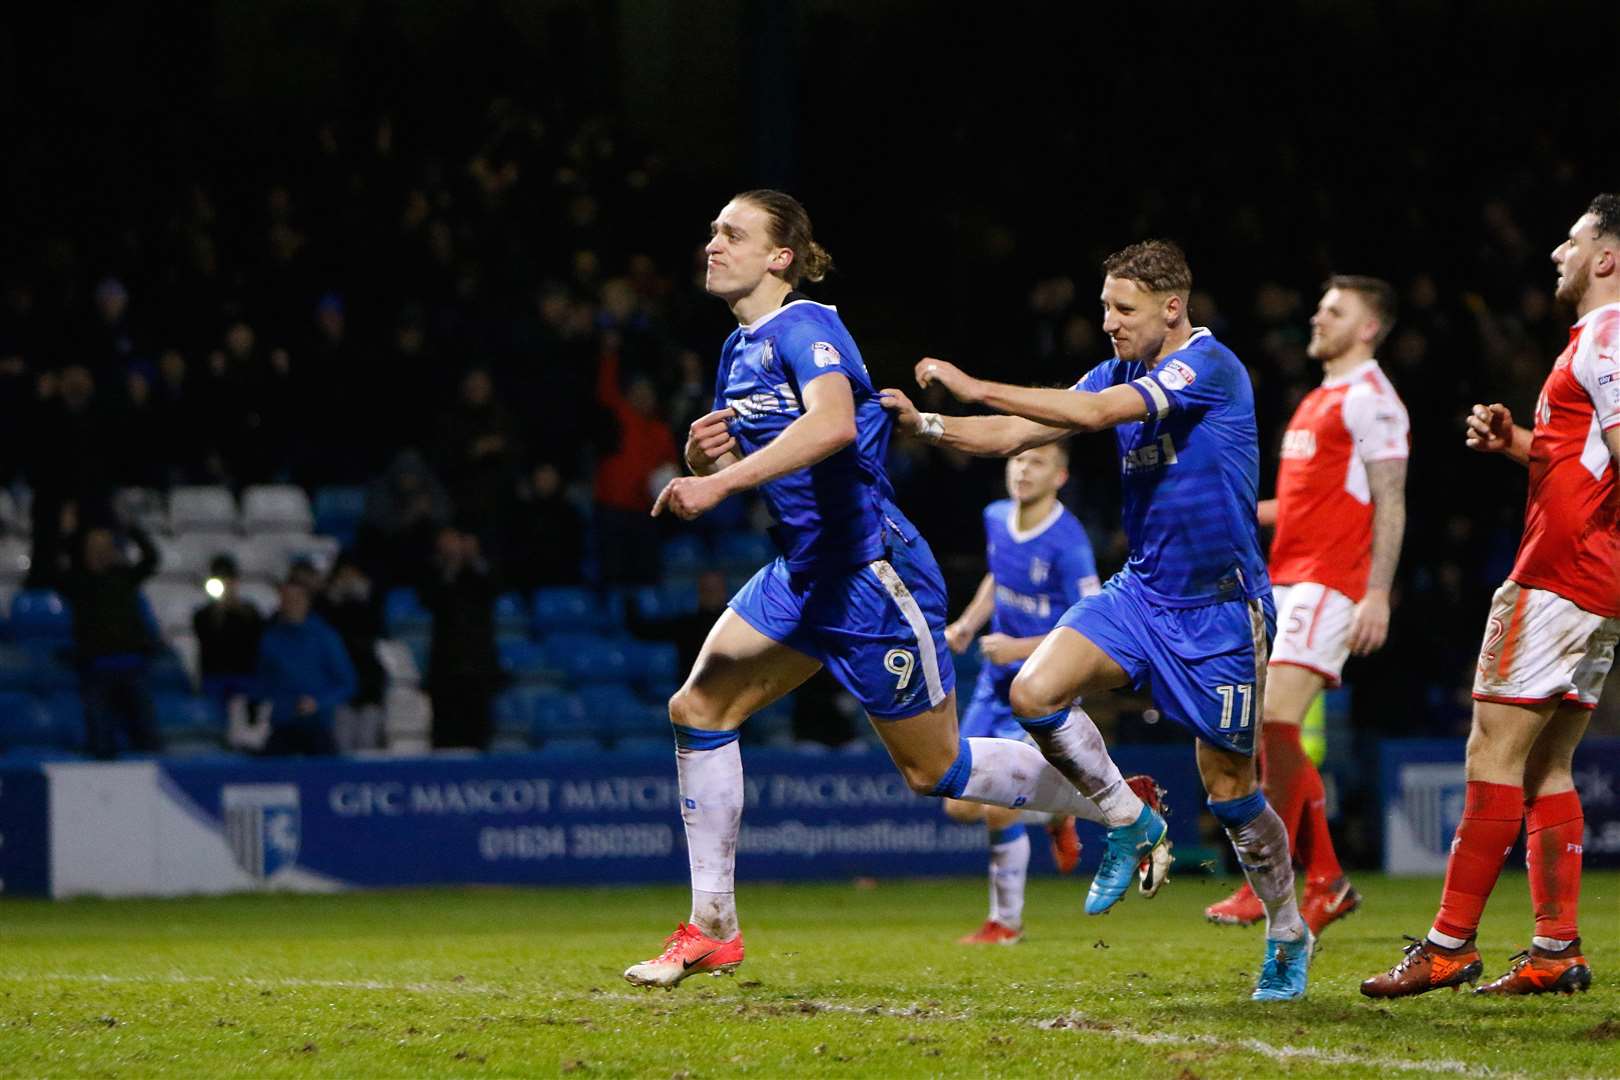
<point x="879" y="628"/>
<point x="1205" y="665"/>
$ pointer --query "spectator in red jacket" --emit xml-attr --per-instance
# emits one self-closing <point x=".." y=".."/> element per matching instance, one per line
<point x="626" y="538"/>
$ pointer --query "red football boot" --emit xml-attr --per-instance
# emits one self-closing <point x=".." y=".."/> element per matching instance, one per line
<point x="1154" y="870"/>
<point x="687" y="952"/>
<point x="1326" y="902"/>
<point x="1242" y="908"/>
<point x="1065" y="844"/>
<point x="992" y="933"/>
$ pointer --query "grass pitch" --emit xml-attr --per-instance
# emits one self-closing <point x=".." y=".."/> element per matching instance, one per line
<point x="839" y="981"/>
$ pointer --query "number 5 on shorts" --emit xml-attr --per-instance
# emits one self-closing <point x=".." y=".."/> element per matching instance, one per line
<point x="1244" y="692"/>
<point x="901" y="663"/>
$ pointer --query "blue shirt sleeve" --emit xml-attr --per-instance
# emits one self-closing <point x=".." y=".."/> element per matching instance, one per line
<point x="1184" y="380"/>
<point x="809" y="353"/>
<point x="1098" y="378"/>
<point x="1077" y="566"/>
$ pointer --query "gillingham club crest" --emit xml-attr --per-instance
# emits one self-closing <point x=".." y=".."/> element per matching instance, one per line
<point x="261" y="826"/>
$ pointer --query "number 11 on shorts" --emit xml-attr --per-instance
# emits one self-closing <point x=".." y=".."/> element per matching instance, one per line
<point x="1244" y="693"/>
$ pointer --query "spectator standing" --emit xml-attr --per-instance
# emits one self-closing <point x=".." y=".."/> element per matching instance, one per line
<point x="348" y="604"/>
<point x="544" y="541"/>
<point x="477" y="453"/>
<point x="228" y="630"/>
<point x="304" y="674"/>
<point x="113" y="639"/>
<point x="625" y="536"/>
<point x="464" y="669"/>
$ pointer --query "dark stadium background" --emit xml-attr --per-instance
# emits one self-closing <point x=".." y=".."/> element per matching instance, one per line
<point x="967" y="166"/>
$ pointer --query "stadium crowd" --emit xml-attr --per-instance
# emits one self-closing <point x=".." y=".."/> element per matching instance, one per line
<point x="479" y="359"/>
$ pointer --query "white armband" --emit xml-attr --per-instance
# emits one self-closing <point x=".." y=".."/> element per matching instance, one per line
<point x="930" y="426"/>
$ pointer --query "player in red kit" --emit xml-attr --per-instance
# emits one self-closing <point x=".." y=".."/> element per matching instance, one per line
<point x="1340" y="513"/>
<point x="1549" y="643"/>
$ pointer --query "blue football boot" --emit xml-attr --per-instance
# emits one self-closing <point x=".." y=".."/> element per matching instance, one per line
<point x="1127" y="846"/>
<point x="1283" y="975"/>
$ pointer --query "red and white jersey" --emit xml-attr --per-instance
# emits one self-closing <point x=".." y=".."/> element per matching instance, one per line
<point x="1324" y="504"/>
<point x="1571" y="542"/>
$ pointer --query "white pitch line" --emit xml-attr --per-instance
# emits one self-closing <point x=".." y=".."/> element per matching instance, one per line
<point x="1075" y="1022"/>
<point x="258" y="983"/>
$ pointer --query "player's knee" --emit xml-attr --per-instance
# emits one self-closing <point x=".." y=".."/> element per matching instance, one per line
<point x="923" y="779"/>
<point x="689" y="708"/>
<point x="1031" y="698"/>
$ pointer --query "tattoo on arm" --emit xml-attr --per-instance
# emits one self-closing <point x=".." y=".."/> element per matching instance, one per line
<point x="1387" y="480"/>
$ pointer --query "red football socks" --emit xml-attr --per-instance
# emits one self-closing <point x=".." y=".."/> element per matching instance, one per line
<point x="1294" y="789"/>
<point x="1492" y="814"/>
<point x="1554" y="826"/>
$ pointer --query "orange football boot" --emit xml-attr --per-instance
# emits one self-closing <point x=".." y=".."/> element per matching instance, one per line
<point x="1542" y="971"/>
<point x="1426" y="966"/>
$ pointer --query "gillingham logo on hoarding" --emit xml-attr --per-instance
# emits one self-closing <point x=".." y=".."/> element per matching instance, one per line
<point x="262" y="824"/>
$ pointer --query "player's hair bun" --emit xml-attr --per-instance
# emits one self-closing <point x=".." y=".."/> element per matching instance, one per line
<point x="790" y="228"/>
<point x="814" y="262"/>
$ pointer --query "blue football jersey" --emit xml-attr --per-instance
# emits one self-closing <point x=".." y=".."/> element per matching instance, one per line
<point x="834" y="514"/>
<point x="1191" y="475"/>
<point x="1039" y="573"/>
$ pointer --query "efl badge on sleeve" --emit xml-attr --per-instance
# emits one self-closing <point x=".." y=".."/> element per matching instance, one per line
<point x="1177" y="375"/>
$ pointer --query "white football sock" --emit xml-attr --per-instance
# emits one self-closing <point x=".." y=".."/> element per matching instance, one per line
<point x="1013" y="774"/>
<point x="1551" y="944"/>
<point x="1262" y="850"/>
<point x="1009" y="869"/>
<point x="1076" y="748"/>
<point x="1446" y="939"/>
<point x="711" y="784"/>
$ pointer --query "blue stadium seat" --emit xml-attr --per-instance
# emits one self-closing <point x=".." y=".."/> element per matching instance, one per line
<point x="420" y="643"/>
<point x="53" y="668"/>
<point x="182" y="718"/>
<point x="572" y="747"/>
<point x="657" y="602"/>
<point x="553" y="714"/>
<point x="607" y="705"/>
<point x="67" y="715"/>
<point x="39" y="615"/>
<point x="511" y="615"/>
<point x="654" y="667"/>
<point x="24" y="721"/>
<point x="684" y="555"/>
<point x="744" y="551"/>
<point x="404" y="614"/>
<point x="588" y="658"/>
<point x="167" y="674"/>
<point x="16" y="669"/>
<point x="646" y="744"/>
<point x="525" y="661"/>
<point x="643" y="720"/>
<point x="39" y="755"/>
<point x="338" y="511"/>
<point x="569" y="608"/>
